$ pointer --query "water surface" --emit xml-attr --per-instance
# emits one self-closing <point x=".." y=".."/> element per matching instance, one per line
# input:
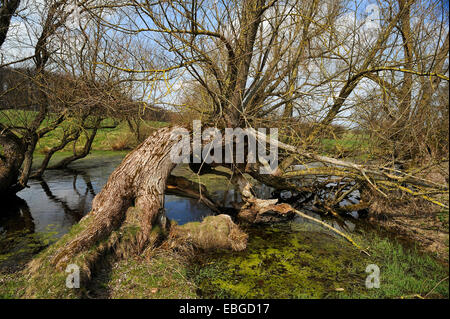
<point x="47" y="209"/>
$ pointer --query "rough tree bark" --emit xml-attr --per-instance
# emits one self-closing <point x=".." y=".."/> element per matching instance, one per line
<point x="11" y="159"/>
<point x="7" y="10"/>
<point x="140" y="181"/>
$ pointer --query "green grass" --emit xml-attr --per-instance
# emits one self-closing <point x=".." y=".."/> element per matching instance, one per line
<point x="105" y="138"/>
<point x="348" y="143"/>
<point x="404" y="272"/>
<point x="163" y="276"/>
<point x="11" y="285"/>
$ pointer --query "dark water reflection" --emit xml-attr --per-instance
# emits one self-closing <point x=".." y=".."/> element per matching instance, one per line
<point x="185" y="210"/>
<point x="47" y="209"/>
<point x="58" y="201"/>
<point x="63" y="197"/>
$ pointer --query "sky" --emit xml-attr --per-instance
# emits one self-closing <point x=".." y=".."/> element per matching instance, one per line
<point x="364" y="16"/>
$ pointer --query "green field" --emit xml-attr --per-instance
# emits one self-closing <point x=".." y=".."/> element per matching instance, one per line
<point x="106" y="139"/>
<point x="350" y="144"/>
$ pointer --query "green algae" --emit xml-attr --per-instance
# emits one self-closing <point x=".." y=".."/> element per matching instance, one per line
<point x="19" y="247"/>
<point x="297" y="260"/>
<point x="281" y="263"/>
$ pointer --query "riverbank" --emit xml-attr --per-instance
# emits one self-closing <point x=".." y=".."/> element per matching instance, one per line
<point x="309" y="263"/>
<point x="294" y="269"/>
<point x="291" y="260"/>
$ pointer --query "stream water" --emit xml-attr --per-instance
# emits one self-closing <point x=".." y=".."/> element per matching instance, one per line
<point x="301" y="256"/>
<point x="47" y="209"/>
<point x="63" y="197"/>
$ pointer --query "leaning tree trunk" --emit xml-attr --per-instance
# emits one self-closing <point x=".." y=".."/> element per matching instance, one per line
<point x="140" y="181"/>
<point x="12" y="152"/>
<point x="122" y="219"/>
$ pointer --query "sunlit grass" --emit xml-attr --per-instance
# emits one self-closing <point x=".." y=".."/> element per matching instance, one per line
<point x="104" y="140"/>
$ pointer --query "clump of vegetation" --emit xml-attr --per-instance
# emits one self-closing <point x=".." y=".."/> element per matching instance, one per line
<point x="304" y="264"/>
<point x="164" y="275"/>
<point x="214" y="232"/>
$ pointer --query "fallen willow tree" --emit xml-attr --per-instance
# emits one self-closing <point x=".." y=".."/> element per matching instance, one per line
<point x="124" y="214"/>
<point x="121" y="221"/>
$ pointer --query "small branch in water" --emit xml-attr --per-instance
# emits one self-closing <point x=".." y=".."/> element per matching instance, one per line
<point x="261" y="206"/>
<point x="331" y="228"/>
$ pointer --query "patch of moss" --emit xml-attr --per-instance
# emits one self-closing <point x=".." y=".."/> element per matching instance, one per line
<point x="279" y="263"/>
<point x="303" y="261"/>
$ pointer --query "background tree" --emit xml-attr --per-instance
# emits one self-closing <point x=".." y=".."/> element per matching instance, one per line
<point x="19" y="142"/>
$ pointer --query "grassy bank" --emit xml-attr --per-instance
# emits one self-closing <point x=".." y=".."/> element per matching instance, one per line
<point x="306" y="263"/>
<point x="107" y="139"/>
<point x="348" y="143"/>
<point x="164" y="276"/>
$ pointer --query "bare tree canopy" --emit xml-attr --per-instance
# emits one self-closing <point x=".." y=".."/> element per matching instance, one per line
<point x="355" y="95"/>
